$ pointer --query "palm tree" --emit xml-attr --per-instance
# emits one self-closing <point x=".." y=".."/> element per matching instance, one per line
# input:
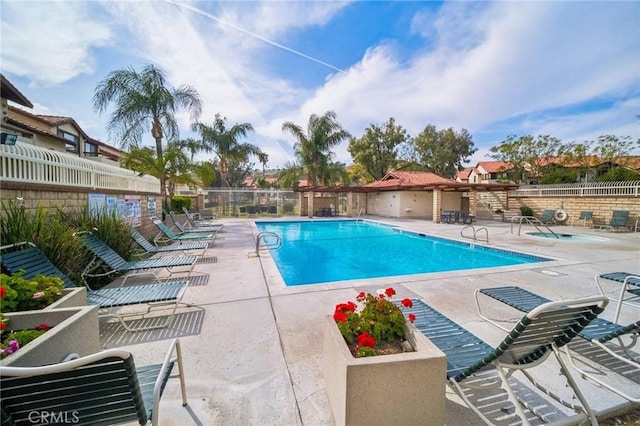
<point x="224" y="143"/>
<point x="142" y="101"/>
<point x="313" y="148"/>
<point x="176" y="165"/>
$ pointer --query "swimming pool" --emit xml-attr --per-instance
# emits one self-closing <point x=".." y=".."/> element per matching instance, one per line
<point x="324" y="251"/>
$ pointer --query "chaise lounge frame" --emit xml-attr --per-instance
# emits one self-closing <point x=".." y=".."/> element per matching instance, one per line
<point x="105" y="388"/>
<point x="182" y="247"/>
<point x="155" y="295"/>
<point x="530" y="342"/>
<point x="167" y="236"/>
<point x="630" y="288"/>
<point x="105" y="255"/>
<point x="599" y="332"/>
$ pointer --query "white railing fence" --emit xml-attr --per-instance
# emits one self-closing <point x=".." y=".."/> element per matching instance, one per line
<point x="591" y="189"/>
<point x="27" y="163"/>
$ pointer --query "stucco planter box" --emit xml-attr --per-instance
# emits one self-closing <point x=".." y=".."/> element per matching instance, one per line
<point x="71" y="298"/>
<point x="399" y="389"/>
<point x="74" y="330"/>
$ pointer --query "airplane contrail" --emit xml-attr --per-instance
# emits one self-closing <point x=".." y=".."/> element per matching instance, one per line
<point x="256" y="36"/>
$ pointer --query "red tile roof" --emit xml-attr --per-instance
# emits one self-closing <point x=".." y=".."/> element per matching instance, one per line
<point x="408" y="179"/>
<point x="464" y="174"/>
<point x="495" y="166"/>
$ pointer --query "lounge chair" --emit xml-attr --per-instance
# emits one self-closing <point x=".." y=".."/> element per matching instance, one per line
<point x="548" y="217"/>
<point x="105" y="388"/>
<point x="115" y="264"/>
<point x="166" y="294"/>
<point x="536" y="336"/>
<point x="585" y="217"/>
<point x="172" y="248"/>
<point x="599" y="332"/>
<point x="200" y="229"/>
<point x="166" y="235"/>
<point x="195" y="220"/>
<point x="630" y="288"/>
<point x="618" y="222"/>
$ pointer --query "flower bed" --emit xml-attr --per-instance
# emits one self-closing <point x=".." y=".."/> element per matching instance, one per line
<point x="73" y="330"/>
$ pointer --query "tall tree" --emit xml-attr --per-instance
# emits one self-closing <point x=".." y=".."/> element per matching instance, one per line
<point x="526" y="154"/>
<point x="440" y="151"/>
<point x="142" y="101"/>
<point x="313" y="147"/>
<point x="175" y="164"/>
<point x="377" y="149"/>
<point x="224" y="143"/>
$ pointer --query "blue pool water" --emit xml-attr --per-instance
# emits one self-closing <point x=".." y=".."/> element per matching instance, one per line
<point x="323" y="251"/>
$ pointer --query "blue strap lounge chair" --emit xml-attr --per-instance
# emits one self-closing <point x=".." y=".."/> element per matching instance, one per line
<point x="195" y="220"/>
<point x="167" y="295"/>
<point x="199" y="229"/>
<point x="547" y="217"/>
<point x="536" y="336"/>
<point x="599" y="332"/>
<point x="166" y="235"/>
<point x="105" y="388"/>
<point x="618" y="222"/>
<point x="184" y="248"/>
<point x="105" y="255"/>
<point x="628" y="292"/>
<point x="586" y="216"/>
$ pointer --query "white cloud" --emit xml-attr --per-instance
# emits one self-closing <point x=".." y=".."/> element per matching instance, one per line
<point x="50" y="42"/>
<point x="494" y="68"/>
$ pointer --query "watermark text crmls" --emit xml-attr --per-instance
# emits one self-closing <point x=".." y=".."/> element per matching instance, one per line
<point x="54" y="417"/>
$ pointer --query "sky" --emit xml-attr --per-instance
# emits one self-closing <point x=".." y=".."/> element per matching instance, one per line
<point x="569" y="69"/>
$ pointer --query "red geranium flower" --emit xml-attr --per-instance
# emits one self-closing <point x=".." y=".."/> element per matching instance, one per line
<point x="3" y="326"/>
<point x="340" y="316"/>
<point x="412" y="317"/>
<point x="361" y="296"/>
<point x="2" y="292"/>
<point x="366" y="340"/>
<point x="407" y="303"/>
<point x="42" y="327"/>
<point x="390" y="291"/>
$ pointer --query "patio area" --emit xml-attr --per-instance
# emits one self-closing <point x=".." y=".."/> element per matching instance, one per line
<point x="253" y="347"/>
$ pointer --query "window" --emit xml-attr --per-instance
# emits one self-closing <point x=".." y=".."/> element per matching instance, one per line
<point x="90" y="150"/>
<point x="74" y="140"/>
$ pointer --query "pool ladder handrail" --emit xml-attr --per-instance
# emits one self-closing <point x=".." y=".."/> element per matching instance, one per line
<point x="475" y="233"/>
<point x="359" y="213"/>
<point x="276" y="245"/>
<point x="531" y="220"/>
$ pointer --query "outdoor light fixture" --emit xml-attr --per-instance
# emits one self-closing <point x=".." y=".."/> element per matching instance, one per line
<point x="8" y="139"/>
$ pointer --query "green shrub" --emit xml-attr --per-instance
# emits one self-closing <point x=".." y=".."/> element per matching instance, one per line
<point x="109" y="227"/>
<point x="50" y="232"/>
<point x="178" y="202"/>
<point x="22" y="294"/>
<point x="619" y="174"/>
<point x="526" y="211"/>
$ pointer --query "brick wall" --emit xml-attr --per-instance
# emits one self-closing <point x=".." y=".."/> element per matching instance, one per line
<point x="602" y="207"/>
<point x="68" y="200"/>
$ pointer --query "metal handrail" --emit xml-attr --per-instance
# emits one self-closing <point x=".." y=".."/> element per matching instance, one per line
<point x="475" y="233"/>
<point x="275" y="245"/>
<point x="359" y="213"/>
<point x="532" y="220"/>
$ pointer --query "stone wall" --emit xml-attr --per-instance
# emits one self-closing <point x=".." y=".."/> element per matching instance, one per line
<point x="602" y="207"/>
<point x="69" y="200"/>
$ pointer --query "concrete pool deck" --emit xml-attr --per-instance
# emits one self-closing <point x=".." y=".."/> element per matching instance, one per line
<point x="253" y="347"/>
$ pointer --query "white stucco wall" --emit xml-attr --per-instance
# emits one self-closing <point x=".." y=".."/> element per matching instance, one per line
<point x="416" y="204"/>
<point x="401" y="204"/>
<point x="383" y="203"/>
<point x="451" y="201"/>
